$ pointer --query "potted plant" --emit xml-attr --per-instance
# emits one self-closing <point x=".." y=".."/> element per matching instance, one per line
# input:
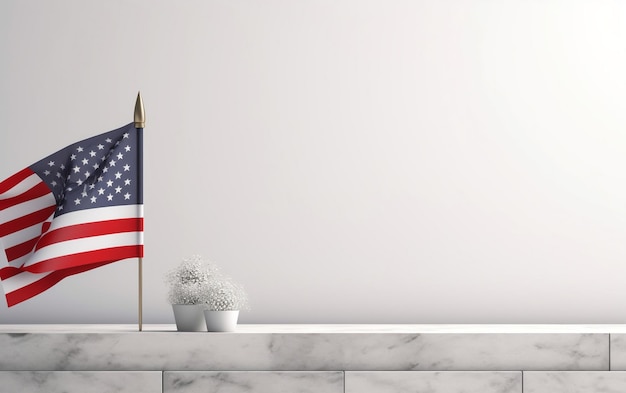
<point x="223" y="300"/>
<point x="187" y="283"/>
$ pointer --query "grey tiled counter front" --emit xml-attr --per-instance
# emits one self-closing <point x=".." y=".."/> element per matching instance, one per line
<point x="433" y="381"/>
<point x="315" y="358"/>
<point x="253" y="381"/>
<point x="575" y="382"/>
<point x="80" y="381"/>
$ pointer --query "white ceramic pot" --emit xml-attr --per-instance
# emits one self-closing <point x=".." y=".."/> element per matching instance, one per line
<point x="189" y="318"/>
<point x="221" y="321"/>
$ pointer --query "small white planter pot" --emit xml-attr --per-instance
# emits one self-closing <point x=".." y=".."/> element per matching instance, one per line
<point x="221" y="321"/>
<point x="189" y="318"/>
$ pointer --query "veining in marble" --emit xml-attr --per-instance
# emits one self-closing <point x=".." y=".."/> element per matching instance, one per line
<point x="252" y="382"/>
<point x="302" y="351"/>
<point x="80" y="381"/>
<point x="433" y="382"/>
<point x="575" y="382"/>
<point x="467" y="352"/>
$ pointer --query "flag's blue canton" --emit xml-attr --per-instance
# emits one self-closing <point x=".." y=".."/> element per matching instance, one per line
<point x="97" y="172"/>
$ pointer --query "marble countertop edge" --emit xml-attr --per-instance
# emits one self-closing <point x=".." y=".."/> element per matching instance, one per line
<point x="331" y="328"/>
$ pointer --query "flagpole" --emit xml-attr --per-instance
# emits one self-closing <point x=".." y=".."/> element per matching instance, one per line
<point x="140" y="122"/>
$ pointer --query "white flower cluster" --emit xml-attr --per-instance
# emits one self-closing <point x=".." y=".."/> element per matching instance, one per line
<point x="196" y="282"/>
<point x="225" y="295"/>
<point x="188" y="279"/>
<point x="185" y="294"/>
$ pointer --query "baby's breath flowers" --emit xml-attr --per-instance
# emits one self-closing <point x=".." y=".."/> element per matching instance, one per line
<point x="195" y="281"/>
<point x="188" y="280"/>
<point x="224" y="295"/>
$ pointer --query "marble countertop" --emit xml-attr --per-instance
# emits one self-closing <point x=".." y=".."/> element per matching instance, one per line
<point x="284" y="347"/>
<point x="330" y="328"/>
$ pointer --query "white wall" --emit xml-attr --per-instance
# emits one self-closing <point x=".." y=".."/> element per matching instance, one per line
<point x="349" y="161"/>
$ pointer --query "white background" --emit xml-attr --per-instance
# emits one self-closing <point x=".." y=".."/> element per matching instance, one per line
<point x="348" y="161"/>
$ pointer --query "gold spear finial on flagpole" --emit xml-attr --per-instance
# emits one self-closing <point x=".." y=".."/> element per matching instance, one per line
<point x="140" y="113"/>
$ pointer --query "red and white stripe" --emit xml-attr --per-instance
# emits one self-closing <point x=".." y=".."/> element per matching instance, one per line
<point x="88" y="236"/>
<point x="41" y="250"/>
<point x="26" y="209"/>
<point x="21" y="285"/>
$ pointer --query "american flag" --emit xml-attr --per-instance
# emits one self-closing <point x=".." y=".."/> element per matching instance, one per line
<point x="73" y="211"/>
